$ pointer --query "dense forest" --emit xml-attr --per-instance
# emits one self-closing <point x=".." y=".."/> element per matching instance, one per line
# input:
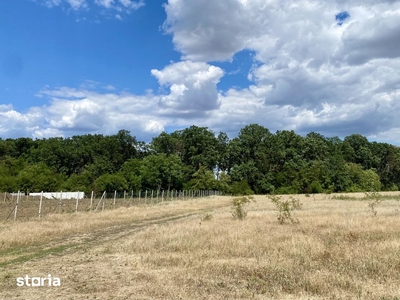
<point x="196" y="158"/>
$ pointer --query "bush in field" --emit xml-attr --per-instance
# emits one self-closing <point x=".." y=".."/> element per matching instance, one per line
<point x="376" y="198"/>
<point x="284" y="190"/>
<point x="238" y="204"/>
<point x="285" y="208"/>
<point x="241" y="188"/>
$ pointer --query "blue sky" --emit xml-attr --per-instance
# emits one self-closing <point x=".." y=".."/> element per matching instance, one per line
<point x="60" y="46"/>
<point x="96" y="66"/>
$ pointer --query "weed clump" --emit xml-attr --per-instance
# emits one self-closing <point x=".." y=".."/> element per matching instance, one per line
<point x="372" y="205"/>
<point x="207" y="217"/>
<point x="285" y="208"/>
<point x="238" y="207"/>
<point x="375" y="198"/>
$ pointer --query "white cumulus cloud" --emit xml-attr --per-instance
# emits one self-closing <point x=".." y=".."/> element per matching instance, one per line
<point x="192" y="87"/>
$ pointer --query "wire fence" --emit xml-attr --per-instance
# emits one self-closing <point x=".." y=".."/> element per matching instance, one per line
<point x="18" y="206"/>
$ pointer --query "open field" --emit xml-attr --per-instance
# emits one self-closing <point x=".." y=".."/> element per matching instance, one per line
<point x="338" y="250"/>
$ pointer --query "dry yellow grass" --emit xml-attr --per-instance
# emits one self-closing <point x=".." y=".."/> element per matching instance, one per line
<point x="339" y="250"/>
<point x="61" y="226"/>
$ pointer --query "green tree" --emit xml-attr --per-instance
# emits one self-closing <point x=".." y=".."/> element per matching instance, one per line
<point x="111" y="182"/>
<point x="131" y="170"/>
<point x="166" y="143"/>
<point x="162" y="172"/>
<point x="363" y="180"/>
<point x="203" y="179"/>
<point x="37" y="178"/>
<point x="79" y="182"/>
<point x="199" y="147"/>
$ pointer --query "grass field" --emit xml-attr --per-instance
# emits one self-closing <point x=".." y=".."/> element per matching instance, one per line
<point x="339" y="249"/>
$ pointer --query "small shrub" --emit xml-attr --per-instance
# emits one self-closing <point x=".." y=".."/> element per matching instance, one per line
<point x="241" y="188"/>
<point x="238" y="210"/>
<point x="285" y="208"/>
<point x="207" y="217"/>
<point x="373" y="204"/>
<point x="285" y="190"/>
<point x="296" y="204"/>
<point x="372" y="195"/>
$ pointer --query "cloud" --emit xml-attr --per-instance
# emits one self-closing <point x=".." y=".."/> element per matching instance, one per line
<point x="14" y="123"/>
<point x="377" y="37"/>
<point x="82" y="110"/>
<point x="192" y="88"/>
<point x="309" y="73"/>
<point x="209" y="30"/>
<point x="132" y="4"/>
<point x="51" y="3"/>
<point x="119" y="5"/>
<point x="105" y="3"/>
<point x="77" y="4"/>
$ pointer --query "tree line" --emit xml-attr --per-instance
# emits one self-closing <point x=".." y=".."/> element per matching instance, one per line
<point x="256" y="161"/>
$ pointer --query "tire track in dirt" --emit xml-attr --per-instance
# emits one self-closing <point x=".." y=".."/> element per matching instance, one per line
<point x="111" y="233"/>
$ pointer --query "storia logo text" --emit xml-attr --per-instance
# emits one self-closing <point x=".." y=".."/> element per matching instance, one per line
<point x="38" y="281"/>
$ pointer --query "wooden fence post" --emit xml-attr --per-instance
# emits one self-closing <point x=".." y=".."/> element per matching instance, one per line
<point x="91" y="201"/>
<point x="162" y="196"/>
<point x="40" y="204"/>
<point x="60" y="203"/>
<point x="115" y="196"/>
<point x="101" y="199"/>
<point x="152" y="196"/>
<point x="16" y="207"/>
<point x="77" y="203"/>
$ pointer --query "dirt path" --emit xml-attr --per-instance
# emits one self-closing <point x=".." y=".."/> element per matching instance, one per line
<point x="82" y="262"/>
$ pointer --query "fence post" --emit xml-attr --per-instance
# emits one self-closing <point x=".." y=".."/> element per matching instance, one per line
<point x="162" y="196"/>
<point x="60" y="203"/>
<point x="157" y="195"/>
<point x="98" y="204"/>
<point x="16" y="207"/>
<point x="152" y="196"/>
<point x="91" y="201"/>
<point x="40" y="204"/>
<point x="115" y="196"/>
<point x="140" y="193"/>
<point x="77" y="202"/>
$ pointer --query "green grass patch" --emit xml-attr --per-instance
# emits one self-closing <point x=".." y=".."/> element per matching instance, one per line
<point x="344" y="197"/>
<point x="37" y="254"/>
